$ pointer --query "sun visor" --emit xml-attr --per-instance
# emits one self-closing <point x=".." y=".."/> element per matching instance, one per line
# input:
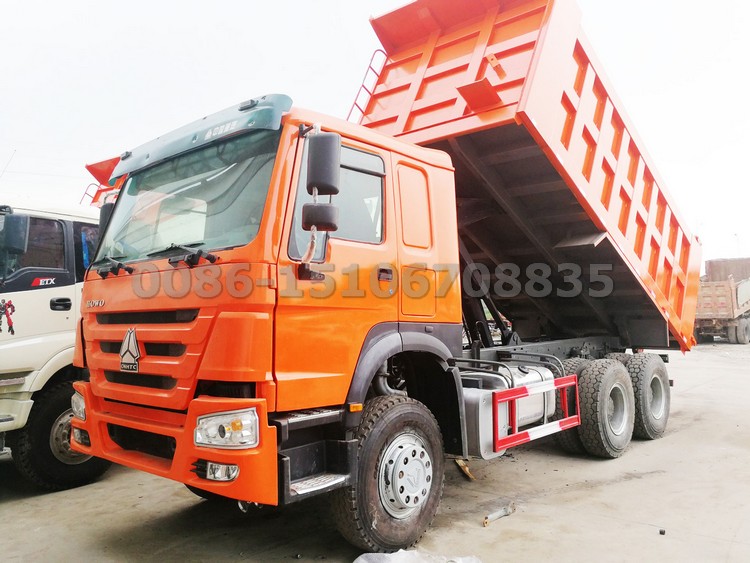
<point x="256" y="113"/>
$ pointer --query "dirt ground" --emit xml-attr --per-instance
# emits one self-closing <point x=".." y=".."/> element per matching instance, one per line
<point x="694" y="484"/>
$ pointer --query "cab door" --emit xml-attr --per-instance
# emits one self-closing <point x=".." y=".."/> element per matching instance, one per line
<point x="321" y="325"/>
<point x="38" y="300"/>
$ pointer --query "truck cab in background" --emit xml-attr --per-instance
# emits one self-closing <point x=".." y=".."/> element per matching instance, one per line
<point x="44" y="253"/>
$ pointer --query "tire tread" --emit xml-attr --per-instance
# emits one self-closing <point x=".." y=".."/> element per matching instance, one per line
<point x="590" y="430"/>
<point x="639" y="370"/>
<point x="344" y="507"/>
<point x="569" y="440"/>
<point x="21" y="443"/>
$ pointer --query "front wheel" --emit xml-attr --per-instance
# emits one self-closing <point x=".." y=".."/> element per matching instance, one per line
<point x="41" y="450"/>
<point x="399" y="477"/>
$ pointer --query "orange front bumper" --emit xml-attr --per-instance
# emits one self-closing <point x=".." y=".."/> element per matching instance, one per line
<point x="258" y="477"/>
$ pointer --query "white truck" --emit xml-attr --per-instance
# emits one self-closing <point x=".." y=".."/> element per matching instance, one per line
<point x="44" y="252"/>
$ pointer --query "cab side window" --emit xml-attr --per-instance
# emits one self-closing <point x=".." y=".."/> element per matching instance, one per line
<point x="46" y="245"/>
<point x="85" y="240"/>
<point x="360" y="203"/>
<point x="360" y="200"/>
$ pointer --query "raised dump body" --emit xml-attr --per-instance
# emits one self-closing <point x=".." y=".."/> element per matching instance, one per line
<point x="549" y="169"/>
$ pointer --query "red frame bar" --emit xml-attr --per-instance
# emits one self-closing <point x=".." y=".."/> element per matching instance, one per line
<point x="510" y="396"/>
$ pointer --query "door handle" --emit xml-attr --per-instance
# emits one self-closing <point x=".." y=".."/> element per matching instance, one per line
<point x="385" y="274"/>
<point x="60" y="304"/>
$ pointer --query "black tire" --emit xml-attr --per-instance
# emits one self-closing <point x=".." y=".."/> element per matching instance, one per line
<point x="607" y="408"/>
<point x="41" y="449"/>
<point x="393" y="431"/>
<point x="732" y="334"/>
<point x="743" y="331"/>
<point x="621" y="357"/>
<point x="652" y="395"/>
<point x="569" y="440"/>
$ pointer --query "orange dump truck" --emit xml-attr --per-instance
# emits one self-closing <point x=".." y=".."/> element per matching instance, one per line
<point x="285" y="304"/>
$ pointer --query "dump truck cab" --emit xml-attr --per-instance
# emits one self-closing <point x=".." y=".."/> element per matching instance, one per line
<point x="201" y="300"/>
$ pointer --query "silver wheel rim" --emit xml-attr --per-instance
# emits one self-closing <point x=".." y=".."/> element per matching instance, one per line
<point x="59" y="441"/>
<point x="656" y="397"/>
<point x="617" y="410"/>
<point x="404" y="475"/>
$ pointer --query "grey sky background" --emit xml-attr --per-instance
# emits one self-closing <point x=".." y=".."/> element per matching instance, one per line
<point x="82" y="81"/>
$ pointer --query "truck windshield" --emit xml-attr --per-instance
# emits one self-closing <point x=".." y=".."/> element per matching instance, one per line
<point x="210" y="198"/>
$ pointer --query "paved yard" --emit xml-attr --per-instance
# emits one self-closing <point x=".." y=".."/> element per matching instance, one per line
<point x="694" y="484"/>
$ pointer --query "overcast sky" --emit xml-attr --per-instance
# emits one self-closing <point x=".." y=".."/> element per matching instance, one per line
<point x="81" y="81"/>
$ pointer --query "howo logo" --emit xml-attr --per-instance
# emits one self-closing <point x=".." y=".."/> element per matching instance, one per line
<point x="129" y="352"/>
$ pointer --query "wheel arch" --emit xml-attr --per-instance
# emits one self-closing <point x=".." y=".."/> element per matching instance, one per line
<point x="434" y="381"/>
<point x="59" y="368"/>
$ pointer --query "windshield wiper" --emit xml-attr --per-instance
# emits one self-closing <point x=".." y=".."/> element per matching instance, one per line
<point x="191" y="257"/>
<point x="114" y="267"/>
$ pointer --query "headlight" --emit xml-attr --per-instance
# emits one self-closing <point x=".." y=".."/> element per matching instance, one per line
<point x="234" y="430"/>
<point x="78" y="404"/>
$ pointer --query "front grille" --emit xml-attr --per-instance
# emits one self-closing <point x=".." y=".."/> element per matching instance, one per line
<point x="231" y="389"/>
<point x="149" y="317"/>
<point x="142" y="441"/>
<point x="140" y="380"/>
<point x="169" y="350"/>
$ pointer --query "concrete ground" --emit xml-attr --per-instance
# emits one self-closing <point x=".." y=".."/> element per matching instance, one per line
<point x="694" y="484"/>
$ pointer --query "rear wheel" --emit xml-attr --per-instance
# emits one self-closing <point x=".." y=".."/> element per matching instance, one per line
<point x="399" y="476"/>
<point x="569" y="440"/>
<point x="607" y="408"/>
<point x="652" y="396"/>
<point x="41" y="450"/>
<point x="621" y="357"/>
<point x="743" y="331"/>
<point x="732" y="334"/>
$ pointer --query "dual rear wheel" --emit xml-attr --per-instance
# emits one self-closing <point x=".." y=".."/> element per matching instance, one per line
<point x="739" y="334"/>
<point x="620" y="397"/>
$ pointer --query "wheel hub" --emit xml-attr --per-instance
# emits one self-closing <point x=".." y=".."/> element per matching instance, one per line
<point x="59" y="441"/>
<point x="405" y="475"/>
<point x="617" y="409"/>
<point x="656" y="397"/>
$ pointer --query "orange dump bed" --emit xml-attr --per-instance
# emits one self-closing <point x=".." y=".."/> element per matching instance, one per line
<point x="549" y="169"/>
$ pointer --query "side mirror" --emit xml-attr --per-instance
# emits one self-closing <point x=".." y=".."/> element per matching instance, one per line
<point x="323" y="163"/>
<point x="322" y="216"/>
<point x="105" y="212"/>
<point x="16" y="229"/>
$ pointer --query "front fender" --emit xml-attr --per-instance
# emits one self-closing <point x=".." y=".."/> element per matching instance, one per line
<point x="37" y="380"/>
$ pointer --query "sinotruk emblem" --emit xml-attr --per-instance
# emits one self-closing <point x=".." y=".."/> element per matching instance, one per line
<point x="129" y="352"/>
